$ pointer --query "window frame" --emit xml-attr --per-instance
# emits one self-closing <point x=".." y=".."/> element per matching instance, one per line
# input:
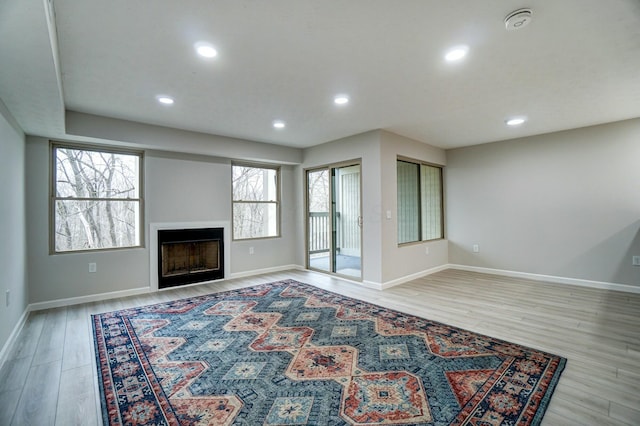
<point x="277" y="202"/>
<point x="420" y="201"/>
<point x="53" y="146"/>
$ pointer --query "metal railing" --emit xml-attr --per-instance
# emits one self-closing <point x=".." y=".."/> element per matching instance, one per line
<point x="318" y="232"/>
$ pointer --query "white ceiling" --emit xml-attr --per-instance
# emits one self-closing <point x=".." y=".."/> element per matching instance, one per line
<point x="577" y="64"/>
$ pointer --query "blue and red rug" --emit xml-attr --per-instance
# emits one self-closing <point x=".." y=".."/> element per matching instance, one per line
<point x="287" y="353"/>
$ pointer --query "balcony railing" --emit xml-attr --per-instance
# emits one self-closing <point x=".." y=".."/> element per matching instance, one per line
<point x="318" y="232"/>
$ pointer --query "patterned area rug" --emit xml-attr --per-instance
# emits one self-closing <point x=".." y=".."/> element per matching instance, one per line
<point x="287" y="353"/>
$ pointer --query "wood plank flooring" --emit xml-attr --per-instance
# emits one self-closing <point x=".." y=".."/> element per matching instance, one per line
<point x="50" y="376"/>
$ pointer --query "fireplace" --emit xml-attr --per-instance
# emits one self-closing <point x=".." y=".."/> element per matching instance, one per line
<point x="187" y="256"/>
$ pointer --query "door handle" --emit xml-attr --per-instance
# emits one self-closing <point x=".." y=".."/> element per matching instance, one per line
<point x="360" y="221"/>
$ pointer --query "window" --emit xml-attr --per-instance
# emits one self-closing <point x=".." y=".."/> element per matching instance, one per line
<point x="96" y="199"/>
<point x="419" y="202"/>
<point x="256" y="201"/>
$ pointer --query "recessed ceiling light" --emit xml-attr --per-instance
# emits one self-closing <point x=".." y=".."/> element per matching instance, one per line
<point x="278" y="124"/>
<point x="206" y="50"/>
<point x="165" y="100"/>
<point x="456" y="53"/>
<point x="515" y="121"/>
<point x="341" y="99"/>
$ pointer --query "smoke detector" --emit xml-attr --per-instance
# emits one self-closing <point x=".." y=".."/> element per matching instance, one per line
<point x="518" y="19"/>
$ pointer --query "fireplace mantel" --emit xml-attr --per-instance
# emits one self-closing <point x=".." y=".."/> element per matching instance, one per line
<point x="153" y="244"/>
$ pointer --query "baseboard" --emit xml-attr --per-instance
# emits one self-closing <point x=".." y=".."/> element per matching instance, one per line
<point x="86" y="299"/>
<point x="140" y="290"/>
<point x="602" y="285"/>
<point x="272" y="270"/>
<point x="370" y="284"/>
<point x="407" y="278"/>
<point x="4" y="353"/>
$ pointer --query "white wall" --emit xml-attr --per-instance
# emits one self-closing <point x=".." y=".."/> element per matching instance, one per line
<point x="365" y="146"/>
<point x="178" y="188"/>
<point x="382" y="260"/>
<point x="399" y="262"/>
<point x="564" y="204"/>
<point x="67" y="275"/>
<point x="100" y="129"/>
<point x="13" y="249"/>
<point x="191" y="188"/>
<point x="272" y="252"/>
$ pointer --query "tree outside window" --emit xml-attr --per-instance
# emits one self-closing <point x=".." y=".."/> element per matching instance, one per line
<point x="256" y="201"/>
<point x="96" y="199"/>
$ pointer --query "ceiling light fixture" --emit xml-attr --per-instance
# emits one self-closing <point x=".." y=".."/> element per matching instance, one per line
<point x="456" y="53"/>
<point x="341" y="99"/>
<point x="165" y="100"/>
<point x="278" y="124"/>
<point x="515" y="121"/>
<point x="205" y="50"/>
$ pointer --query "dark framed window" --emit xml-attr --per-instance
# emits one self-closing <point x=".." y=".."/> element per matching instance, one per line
<point x="256" y="201"/>
<point x="96" y="198"/>
<point x="420" y="202"/>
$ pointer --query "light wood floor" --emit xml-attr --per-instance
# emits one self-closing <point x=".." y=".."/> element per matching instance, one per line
<point x="50" y="377"/>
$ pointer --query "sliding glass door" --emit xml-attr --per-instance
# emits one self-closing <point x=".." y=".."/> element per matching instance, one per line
<point x="318" y="224"/>
<point x="334" y="220"/>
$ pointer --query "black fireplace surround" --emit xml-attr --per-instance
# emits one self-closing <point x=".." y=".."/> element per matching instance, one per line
<point x="187" y="256"/>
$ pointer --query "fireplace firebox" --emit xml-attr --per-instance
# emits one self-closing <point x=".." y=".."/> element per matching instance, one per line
<point x="187" y="256"/>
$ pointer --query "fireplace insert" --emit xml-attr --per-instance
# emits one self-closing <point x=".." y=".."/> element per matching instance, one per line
<point x="187" y="256"/>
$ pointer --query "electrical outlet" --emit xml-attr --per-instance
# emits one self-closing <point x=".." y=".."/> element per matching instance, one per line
<point x="426" y="250"/>
<point x="7" y="297"/>
<point x="476" y="248"/>
<point x="93" y="267"/>
<point x="635" y="260"/>
<point x="251" y="250"/>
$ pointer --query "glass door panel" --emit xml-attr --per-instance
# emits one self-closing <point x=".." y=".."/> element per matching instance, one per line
<point x="334" y="222"/>
<point x="318" y="226"/>
<point x="347" y="220"/>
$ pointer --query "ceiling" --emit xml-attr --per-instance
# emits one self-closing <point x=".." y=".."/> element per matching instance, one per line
<point x="576" y="64"/>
